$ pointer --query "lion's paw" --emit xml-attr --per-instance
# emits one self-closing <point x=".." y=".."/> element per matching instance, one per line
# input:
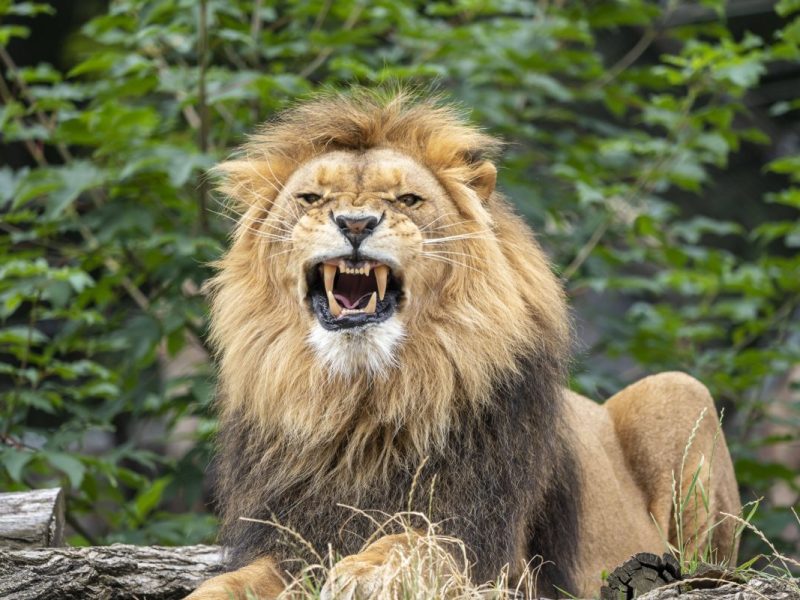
<point x="260" y="579"/>
<point x="355" y="577"/>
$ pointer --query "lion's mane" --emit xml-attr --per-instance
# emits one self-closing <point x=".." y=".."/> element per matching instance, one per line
<point x="478" y="376"/>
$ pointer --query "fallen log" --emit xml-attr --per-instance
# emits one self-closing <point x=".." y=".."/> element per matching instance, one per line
<point x="32" y="519"/>
<point x="757" y="588"/>
<point x="116" y="572"/>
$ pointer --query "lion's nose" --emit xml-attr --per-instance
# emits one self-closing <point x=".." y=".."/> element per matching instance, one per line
<point x="356" y="229"/>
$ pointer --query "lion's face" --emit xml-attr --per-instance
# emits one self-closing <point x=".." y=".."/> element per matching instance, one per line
<point x="368" y="235"/>
<point x="375" y="277"/>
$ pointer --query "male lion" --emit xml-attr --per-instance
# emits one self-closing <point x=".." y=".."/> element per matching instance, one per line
<point x="384" y="318"/>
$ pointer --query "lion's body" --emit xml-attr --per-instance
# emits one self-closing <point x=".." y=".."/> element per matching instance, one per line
<point x="628" y="450"/>
<point x="452" y="384"/>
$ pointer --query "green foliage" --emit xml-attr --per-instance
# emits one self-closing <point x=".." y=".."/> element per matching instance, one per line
<point x="107" y="236"/>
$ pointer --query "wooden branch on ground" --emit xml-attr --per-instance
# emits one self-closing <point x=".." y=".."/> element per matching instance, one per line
<point x="32" y="519"/>
<point x="117" y="572"/>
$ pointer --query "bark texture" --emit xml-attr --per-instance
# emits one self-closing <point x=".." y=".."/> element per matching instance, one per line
<point x="32" y="519"/>
<point x="116" y="572"/>
<point x="755" y="589"/>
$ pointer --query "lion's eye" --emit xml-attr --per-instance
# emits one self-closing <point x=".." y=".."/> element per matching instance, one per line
<point x="308" y="198"/>
<point x="409" y="199"/>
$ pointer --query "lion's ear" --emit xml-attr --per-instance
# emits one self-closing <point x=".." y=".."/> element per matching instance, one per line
<point x="253" y="182"/>
<point x="484" y="178"/>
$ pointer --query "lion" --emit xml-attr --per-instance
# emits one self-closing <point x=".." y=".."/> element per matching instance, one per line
<point x="384" y="321"/>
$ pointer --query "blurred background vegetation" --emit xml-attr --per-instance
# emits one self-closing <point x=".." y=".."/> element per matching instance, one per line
<point x="654" y="146"/>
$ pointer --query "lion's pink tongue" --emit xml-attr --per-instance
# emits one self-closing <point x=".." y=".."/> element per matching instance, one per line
<point x="347" y="303"/>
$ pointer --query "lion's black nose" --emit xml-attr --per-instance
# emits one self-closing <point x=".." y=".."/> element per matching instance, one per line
<point x="356" y="229"/>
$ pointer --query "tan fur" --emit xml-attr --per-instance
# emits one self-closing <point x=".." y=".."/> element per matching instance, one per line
<point x="360" y="575"/>
<point x="469" y="313"/>
<point x="630" y="448"/>
<point x="260" y="579"/>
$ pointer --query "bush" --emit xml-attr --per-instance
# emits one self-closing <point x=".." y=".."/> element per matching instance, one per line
<point x="109" y="224"/>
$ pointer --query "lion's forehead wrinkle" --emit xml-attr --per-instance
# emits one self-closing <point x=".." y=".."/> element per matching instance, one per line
<point x="375" y="171"/>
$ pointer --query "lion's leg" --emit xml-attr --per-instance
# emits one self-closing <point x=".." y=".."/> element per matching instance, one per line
<point x="260" y="579"/>
<point x="669" y="432"/>
<point x="362" y="575"/>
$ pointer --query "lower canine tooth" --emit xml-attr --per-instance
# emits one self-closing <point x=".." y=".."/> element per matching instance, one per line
<point x="336" y="310"/>
<point x="381" y="275"/>
<point x="373" y="302"/>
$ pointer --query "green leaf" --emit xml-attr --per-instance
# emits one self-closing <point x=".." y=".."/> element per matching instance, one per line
<point x="75" y="178"/>
<point x="29" y="9"/>
<point x="99" y="62"/>
<point x="22" y="335"/>
<point x="71" y="466"/>
<point x="9" y="32"/>
<point x="786" y="7"/>
<point x="789" y="165"/>
<point x="14" y="462"/>
<point x="148" y="499"/>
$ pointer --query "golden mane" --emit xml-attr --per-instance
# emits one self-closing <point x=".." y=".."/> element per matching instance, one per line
<point x="433" y="133"/>
<point x="501" y="305"/>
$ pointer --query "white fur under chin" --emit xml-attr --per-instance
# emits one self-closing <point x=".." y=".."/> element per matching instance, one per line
<point x="352" y="351"/>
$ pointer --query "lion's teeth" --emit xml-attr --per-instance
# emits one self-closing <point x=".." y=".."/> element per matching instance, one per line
<point x="373" y="302"/>
<point x="329" y="272"/>
<point x="366" y="269"/>
<point x="336" y="310"/>
<point x="381" y="276"/>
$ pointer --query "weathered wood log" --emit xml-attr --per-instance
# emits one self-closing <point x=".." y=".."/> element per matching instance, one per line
<point x="117" y="572"/>
<point x="32" y="519"/>
<point x="756" y="589"/>
<point x="647" y="576"/>
<point x="123" y="572"/>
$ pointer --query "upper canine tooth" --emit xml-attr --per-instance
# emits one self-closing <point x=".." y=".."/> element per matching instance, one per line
<point x="381" y="275"/>
<point x="373" y="302"/>
<point x="336" y="310"/>
<point x="329" y="272"/>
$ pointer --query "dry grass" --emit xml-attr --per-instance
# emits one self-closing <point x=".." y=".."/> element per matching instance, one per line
<point x="429" y="566"/>
<point x="432" y="566"/>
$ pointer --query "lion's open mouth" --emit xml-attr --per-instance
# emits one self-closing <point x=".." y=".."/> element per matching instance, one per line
<point x="345" y="294"/>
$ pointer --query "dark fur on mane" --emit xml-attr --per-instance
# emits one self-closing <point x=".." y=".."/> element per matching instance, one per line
<point x="506" y="484"/>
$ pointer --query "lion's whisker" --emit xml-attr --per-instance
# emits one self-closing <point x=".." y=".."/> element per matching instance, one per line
<point x="242" y="222"/>
<point x="450" y="261"/>
<point x="424" y="227"/>
<point x="460" y="236"/>
<point x="274" y="254"/>
<point x="447" y="225"/>
<point x="449" y="252"/>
